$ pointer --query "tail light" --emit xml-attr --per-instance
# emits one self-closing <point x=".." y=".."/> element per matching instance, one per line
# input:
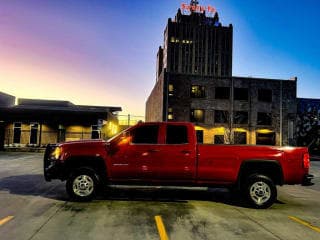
<point x="306" y="161"/>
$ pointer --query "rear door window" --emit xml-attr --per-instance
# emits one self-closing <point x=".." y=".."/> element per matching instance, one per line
<point x="177" y="134"/>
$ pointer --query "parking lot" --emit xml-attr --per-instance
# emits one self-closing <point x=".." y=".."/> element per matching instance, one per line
<point x="31" y="208"/>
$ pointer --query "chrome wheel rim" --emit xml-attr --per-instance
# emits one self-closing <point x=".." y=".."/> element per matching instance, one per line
<point x="83" y="185"/>
<point x="260" y="192"/>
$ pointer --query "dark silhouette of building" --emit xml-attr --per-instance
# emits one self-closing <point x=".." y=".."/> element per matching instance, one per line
<point x="194" y="83"/>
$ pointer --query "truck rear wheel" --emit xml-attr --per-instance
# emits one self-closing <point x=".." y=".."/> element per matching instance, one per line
<point x="82" y="184"/>
<point x="260" y="191"/>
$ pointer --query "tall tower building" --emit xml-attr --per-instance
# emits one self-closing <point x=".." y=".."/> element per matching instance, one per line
<point x="196" y="44"/>
<point x="194" y="83"/>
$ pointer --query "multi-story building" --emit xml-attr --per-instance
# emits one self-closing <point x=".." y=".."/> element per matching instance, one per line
<point x="194" y="83"/>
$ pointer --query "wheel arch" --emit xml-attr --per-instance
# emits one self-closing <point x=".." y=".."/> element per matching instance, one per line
<point x="269" y="168"/>
<point x="95" y="163"/>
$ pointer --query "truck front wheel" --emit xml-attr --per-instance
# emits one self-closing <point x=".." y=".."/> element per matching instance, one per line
<point x="260" y="191"/>
<point x="82" y="184"/>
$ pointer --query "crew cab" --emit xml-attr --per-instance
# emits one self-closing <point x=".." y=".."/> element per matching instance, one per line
<point x="167" y="153"/>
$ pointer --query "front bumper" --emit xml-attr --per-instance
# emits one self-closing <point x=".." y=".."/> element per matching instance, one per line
<point x="307" y="180"/>
<point x="52" y="168"/>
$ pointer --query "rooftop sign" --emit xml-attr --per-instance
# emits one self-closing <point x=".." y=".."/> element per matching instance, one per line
<point x="197" y="8"/>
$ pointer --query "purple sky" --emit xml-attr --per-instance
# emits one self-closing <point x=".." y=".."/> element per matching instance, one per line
<point x="104" y="52"/>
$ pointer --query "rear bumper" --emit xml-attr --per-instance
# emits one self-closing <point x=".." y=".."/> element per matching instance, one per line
<point x="307" y="180"/>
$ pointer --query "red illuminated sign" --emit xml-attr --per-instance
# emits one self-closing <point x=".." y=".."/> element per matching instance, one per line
<point x="197" y="8"/>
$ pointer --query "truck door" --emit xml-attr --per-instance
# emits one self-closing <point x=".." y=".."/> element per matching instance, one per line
<point x="176" y="157"/>
<point x="143" y="150"/>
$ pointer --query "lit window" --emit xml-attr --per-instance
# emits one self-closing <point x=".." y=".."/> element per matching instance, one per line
<point x="172" y="39"/>
<point x="170" y="89"/>
<point x="197" y="91"/>
<point x="197" y="115"/>
<point x="170" y="113"/>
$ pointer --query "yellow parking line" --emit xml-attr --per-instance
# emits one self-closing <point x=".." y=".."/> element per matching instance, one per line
<point x="161" y="229"/>
<point x="304" y="223"/>
<point x="5" y="220"/>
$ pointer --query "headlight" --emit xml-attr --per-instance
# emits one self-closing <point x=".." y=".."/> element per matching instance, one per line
<point x="56" y="153"/>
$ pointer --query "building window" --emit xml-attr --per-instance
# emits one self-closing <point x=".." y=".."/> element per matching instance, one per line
<point x="170" y="89"/>
<point x="264" y="118"/>
<point x="241" y="94"/>
<point x="218" y="139"/>
<point x="16" y="132"/>
<point x="199" y="134"/>
<point x="197" y="91"/>
<point x="95" y="132"/>
<point x="240" y="117"/>
<point x="265" y="95"/>
<point x="240" y="137"/>
<point x="222" y="93"/>
<point x="177" y="134"/>
<point x="170" y="113"/>
<point x="147" y="134"/>
<point x="266" y="139"/>
<point x="34" y="133"/>
<point x="221" y="116"/>
<point x="197" y="115"/>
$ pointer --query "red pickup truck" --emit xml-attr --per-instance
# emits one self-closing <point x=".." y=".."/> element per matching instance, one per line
<point x="167" y="153"/>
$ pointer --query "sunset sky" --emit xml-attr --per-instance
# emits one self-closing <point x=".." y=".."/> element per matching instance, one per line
<point x="103" y="52"/>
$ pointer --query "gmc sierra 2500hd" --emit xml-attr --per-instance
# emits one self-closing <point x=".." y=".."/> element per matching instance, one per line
<point x="167" y="153"/>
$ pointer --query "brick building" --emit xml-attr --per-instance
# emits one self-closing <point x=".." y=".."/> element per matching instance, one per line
<point x="194" y="83"/>
<point x="35" y="123"/>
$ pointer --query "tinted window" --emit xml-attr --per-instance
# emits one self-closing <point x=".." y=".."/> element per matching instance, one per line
<point x="241" y="94"/>
<point x="218" y="139"/>
<point x="221" y="116"/>
<point x="199" y="136"/>
<point x="177" y="134"/>
<point x="265" y="95"/>
<point x="264" y="118"/>
<point x="240" y="117"/>
<point x="266" y="139"/>
<point x="222" y="93"/>
<point x="240" y="137"/>
<point x="145" y="135"/>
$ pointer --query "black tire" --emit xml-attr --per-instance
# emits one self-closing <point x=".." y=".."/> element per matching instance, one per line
<point x="82" y="184"/>
<point x="260" y="191"/>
